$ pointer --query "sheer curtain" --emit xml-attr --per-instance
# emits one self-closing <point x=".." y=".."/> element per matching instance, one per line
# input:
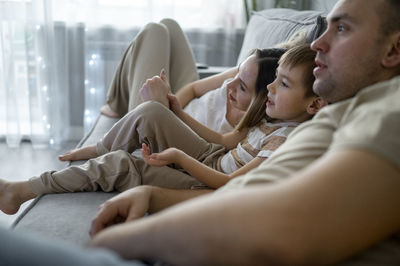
<point x="57" y="57"/>
<point x="31" y="91"/>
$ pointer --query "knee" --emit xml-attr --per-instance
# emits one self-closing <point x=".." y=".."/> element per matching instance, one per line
<point x="169" y="23"/>
<point x="152" y="110"/>
<point x="156" y="29"/>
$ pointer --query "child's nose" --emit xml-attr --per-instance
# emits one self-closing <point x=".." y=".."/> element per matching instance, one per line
<point x="271" y="88"/>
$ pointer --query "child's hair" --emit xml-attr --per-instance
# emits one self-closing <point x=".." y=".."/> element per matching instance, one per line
<point x="304" y="56"/>
<point x="267" y="60"/>
<point x="295" y="56"/>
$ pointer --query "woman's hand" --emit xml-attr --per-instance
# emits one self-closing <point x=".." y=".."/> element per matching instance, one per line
<point x="156" y="89"/>
<point x="168" y="156"/>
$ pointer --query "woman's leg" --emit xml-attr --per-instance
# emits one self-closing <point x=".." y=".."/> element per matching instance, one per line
<point x="156" y="47"/>
<point x="143" y="59"/>
<point x="149" y="123"/>
<point x="182" y="67"/>
<point x="158" y="127"/>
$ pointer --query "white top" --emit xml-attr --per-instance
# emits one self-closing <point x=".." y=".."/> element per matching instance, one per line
<point x="261" y="141"/>
<point x="210" y="109"/>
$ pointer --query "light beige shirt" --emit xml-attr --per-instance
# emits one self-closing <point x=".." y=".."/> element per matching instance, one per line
<point x="370" y="120"/>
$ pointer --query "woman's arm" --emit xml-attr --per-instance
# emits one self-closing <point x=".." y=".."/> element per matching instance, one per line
<point x="228" y="140"/>
<point x="201" y="172"/>
<point x="199" y="87"/>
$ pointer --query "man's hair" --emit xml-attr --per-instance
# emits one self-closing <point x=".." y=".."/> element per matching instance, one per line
<point x="267" y="60"/>
<point x="389" y="14"/>
<point x="302" y="55"/>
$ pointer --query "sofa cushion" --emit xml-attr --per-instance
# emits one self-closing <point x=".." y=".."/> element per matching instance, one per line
<point x="270" y="27"/>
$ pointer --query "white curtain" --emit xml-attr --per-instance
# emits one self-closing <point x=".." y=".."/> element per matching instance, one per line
<point x="57" y="57"/>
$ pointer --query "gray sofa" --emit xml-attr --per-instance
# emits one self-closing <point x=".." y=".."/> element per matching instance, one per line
<point x="68" y="216"/>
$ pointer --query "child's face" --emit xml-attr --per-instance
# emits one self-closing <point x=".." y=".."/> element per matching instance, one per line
<point x="241" y="89"/>
<point x="286" y="100"/>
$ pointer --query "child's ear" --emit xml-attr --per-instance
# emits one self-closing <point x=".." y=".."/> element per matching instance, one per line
<point x="392" y="58"/>
<point x="316" y="105"/>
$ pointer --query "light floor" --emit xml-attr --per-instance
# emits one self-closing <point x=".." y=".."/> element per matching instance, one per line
<point x="17" y="164"/>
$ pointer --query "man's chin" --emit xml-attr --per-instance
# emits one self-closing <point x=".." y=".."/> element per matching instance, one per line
<point x="317" y="87"/>
<point x="324" y="89"/>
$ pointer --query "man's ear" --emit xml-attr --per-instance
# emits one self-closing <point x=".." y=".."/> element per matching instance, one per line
<point x="392" y="57"/>
<point x="316" y="105"/>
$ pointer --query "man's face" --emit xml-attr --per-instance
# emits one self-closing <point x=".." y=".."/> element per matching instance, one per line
<point x="349" y="53"/>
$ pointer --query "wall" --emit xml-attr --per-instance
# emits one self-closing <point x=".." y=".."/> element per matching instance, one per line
<point x="322" y="5"/>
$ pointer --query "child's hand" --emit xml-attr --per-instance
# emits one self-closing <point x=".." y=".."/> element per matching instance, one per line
<point x="163" y="158"/>
<point x="174" y="104"/>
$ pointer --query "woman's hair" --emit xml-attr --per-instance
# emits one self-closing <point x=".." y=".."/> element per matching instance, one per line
<point x="267" y="60"/>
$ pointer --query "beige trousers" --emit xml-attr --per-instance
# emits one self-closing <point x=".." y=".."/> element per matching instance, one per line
<point x="157" y="46"/>
<point x="117" y="169"/>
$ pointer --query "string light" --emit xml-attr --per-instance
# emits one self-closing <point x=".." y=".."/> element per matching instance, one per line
<point x="92" y="90"/>
<point x="91" y="62"/>
<point x="44" y="88"/>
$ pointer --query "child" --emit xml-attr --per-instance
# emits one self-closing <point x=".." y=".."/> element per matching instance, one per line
<point x="290" y="102"/>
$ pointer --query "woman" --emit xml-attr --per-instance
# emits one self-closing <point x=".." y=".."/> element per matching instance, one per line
<point x="164" y="46"/>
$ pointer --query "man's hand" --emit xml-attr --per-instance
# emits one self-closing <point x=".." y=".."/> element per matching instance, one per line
<point x="156" y="89"/>
<point x="127" y="206"/>
<point x="163" y="158"/>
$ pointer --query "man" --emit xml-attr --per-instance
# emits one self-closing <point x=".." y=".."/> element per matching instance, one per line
<point x="340" y="172"/>
<point x="329" y="192"/>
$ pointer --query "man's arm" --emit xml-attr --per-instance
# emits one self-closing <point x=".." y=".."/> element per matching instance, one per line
<point x="343" y="203"/>
<point x="136" y="203"/>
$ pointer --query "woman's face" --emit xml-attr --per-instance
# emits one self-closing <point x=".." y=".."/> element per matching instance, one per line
<point x="242" y="88"/>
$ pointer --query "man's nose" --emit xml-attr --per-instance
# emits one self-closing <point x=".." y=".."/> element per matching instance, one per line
<point x="321" y="44"/>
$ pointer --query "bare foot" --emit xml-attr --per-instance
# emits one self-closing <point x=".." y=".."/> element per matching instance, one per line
<point x="107" y="111"/>
<point x="13" y="194"/>
<point x="83" y="153"/>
